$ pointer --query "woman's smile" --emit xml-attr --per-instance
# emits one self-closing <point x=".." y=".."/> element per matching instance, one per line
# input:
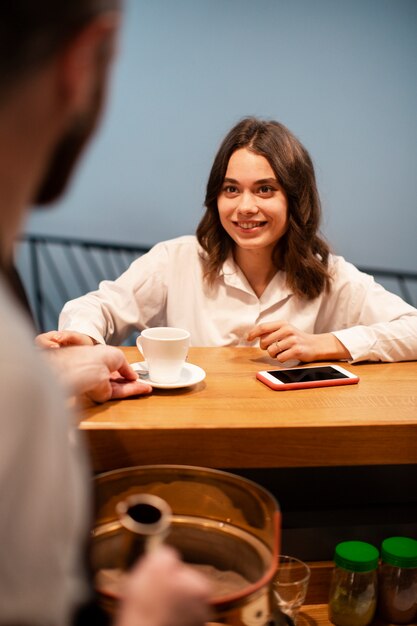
<point x="249" y="227"/>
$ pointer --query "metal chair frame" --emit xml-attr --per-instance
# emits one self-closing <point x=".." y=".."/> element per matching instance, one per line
<point x="87" y="262"/>
<point x="402" y="278"/>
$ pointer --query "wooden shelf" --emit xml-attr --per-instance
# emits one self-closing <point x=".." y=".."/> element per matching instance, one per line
<point x="316" y="615"/>
<point x="313" y="615"/>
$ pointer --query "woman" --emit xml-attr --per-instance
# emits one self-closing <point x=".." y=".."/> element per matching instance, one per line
<point x="257" y="270"/>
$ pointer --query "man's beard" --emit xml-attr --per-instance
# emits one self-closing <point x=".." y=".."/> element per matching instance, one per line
<point x="67" y="151"/>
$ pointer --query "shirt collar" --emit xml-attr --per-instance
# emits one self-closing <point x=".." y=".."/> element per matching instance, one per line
<point x="234" y="277"/>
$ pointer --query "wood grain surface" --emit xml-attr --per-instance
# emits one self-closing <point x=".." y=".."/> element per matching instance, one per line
<point x="233" y="420"/>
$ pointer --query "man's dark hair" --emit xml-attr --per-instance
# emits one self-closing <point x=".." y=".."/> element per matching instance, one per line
<point x="32" y="31"/>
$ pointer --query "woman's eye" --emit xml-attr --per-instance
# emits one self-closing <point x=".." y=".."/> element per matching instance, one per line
<point x="230" y="189"/>
<point x="266" y="189"/>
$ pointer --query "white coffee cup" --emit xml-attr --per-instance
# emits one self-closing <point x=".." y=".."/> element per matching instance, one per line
<point x="165" y="350"/>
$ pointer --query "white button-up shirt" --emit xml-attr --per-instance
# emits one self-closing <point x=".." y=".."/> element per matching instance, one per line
<point x="166" y="287"/>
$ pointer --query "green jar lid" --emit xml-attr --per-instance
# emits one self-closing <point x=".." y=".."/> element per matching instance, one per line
<point x="399" y="551"/>
<point x="356" y="556"/>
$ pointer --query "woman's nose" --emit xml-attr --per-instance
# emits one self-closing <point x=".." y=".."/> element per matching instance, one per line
<point x="247" y="204"/>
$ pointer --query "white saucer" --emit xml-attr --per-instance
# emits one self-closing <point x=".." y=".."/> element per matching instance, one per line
<point x="190" y="375"/>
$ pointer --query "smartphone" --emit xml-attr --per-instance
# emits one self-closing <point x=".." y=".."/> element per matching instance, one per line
<point x="305" y="377"/>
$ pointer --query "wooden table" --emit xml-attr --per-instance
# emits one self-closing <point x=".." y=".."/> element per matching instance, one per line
<point x="231" y="420"/>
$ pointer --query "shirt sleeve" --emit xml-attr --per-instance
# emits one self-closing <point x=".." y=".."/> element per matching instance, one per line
<point x="136" y="300"/>
<point x="372" y="323"/>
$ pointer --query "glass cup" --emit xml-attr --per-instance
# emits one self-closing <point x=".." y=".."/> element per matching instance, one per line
<point x="290" y="585"/>
<point x="165" y="350"/>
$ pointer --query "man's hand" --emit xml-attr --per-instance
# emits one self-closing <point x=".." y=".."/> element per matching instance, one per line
<point x="163" y="591"/>
<point x="286" y="342"/>
<point x="99" y="372"/>
<point x="62" y="338"/>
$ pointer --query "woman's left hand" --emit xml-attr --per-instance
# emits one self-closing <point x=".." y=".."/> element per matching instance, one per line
<point x="286" y="342"/>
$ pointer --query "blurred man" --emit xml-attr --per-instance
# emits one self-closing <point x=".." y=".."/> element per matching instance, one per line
<point x="54" y="63"/>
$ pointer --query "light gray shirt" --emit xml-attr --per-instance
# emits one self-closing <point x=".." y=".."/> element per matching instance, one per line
<point x="43" y="484"/>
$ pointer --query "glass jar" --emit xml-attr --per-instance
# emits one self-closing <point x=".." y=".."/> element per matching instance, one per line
<point x="397" y="595"/>
<point x="353" y="589"/>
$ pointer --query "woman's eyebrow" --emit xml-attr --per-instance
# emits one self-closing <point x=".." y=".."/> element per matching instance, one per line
<point x="261" y="181"/>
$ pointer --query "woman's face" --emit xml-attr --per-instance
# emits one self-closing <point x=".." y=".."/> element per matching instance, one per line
<point x="253" y="208"/>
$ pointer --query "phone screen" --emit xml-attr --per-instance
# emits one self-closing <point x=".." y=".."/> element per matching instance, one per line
<point x="307" y="374"/>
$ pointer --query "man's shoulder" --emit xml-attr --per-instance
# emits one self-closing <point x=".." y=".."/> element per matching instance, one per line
<point x="25" y="377"/>
<point x="15" y="331"/>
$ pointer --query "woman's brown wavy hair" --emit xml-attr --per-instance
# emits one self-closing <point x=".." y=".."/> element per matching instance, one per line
<point x="300" y="252"/>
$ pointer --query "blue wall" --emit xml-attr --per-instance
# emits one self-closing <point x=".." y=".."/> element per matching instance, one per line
<point x="341" y="75"/>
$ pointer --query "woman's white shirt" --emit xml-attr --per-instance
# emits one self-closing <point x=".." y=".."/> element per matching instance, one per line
<point x="166" y="287"/>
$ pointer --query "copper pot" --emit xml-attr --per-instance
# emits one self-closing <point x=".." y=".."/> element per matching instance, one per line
<point x="218" y="522"/>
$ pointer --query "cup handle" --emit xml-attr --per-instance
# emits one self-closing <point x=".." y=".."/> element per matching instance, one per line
<point x="139" y="346"/>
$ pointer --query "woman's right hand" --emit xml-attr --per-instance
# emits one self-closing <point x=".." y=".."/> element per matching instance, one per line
<point x="63" y="339"/>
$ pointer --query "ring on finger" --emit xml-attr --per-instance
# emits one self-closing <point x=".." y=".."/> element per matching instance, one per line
<point x="277" y="346"/>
